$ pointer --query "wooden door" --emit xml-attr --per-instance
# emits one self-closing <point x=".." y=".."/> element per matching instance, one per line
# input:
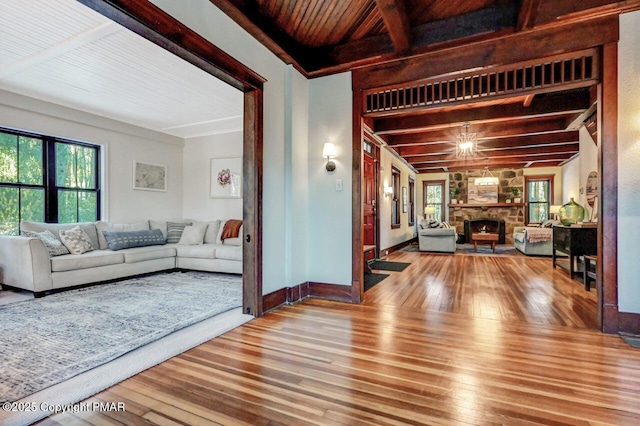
<point x="369" y="200"/>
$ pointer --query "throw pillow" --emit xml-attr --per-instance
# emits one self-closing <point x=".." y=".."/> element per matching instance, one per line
<point x="434" y="224"/>
<point x="101" y="226"/>
<point x="122" y="240"/>
<point x="423" y="224"/>
<point x="193" y="234"/>
<point x="76" y="240"/>
<point x="50" y="241"/>
<point x="175" y="230"/>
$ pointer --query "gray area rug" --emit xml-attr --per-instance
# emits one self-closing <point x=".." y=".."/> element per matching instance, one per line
<point x="49" y="340"/>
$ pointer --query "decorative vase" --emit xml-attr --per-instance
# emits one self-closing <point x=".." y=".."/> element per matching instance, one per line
<point x="517" y="200"/>
<point x="454" y="201"/>
<point x="571" y="212"/>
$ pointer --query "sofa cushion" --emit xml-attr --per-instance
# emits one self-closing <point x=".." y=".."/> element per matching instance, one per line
<point x="437" y="232"/>
<point x="129" y="239"/>
<point x="193" y="234"/>
<point x="140" y="254"/>
<point x="229" y="253"/>
<point x="162" y="225"/>
<point x="92" y="259"/>
<point x="88" y="227"/>
<point x="118" y="227"/>
<point x="76" y="240"/>
<point x="50" y="241"/>
<point x="212" y="232"/>
<point x="204" y="251"/>
<point x="175" y="230"/>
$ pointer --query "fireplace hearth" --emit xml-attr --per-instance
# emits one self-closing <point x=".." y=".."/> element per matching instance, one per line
<point x="496" y="226"/>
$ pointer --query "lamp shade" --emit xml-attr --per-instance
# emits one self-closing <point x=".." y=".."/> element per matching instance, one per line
<point x="429" y="210"/>
<point x="554" y="209"/>
<point x="329" y="150"/>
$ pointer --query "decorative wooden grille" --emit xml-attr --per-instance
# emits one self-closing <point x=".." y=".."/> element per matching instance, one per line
<point x="571" y="70"/>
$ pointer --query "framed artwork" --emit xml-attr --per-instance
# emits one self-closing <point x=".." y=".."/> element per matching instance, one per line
<point x="149" y="177"/>
<point x="404" y="199"/>
<point x="226" y="177"/>
<point x="481" y="194"/>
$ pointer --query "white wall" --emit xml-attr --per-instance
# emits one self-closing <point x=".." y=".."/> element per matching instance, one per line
<point x="198" y="152"/>
<point x="629" y="163"/>
<point x="576" y="172"/>
<point x="207" y="20"/>
<point x="330" y="235"/>
<point x="122" y="143"/>
<point x="297" y="141"/>
<point x="390" y="237"/>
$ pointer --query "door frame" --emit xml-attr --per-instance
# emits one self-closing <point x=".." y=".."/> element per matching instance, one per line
<point x="375" y="154"/>
<point x="157" y="26"/>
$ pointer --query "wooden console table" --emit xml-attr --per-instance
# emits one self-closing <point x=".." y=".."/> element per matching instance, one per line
<point x="574" y="242"/>
<point x="487" y="237"/>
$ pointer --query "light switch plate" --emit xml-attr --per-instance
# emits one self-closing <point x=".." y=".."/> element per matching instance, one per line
<point x="338" y="184"/>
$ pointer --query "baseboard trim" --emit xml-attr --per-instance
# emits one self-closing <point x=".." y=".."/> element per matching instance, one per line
<point x="297" y="293"/>
<point x="400" y="246"/>
<point x="629" y="322"/>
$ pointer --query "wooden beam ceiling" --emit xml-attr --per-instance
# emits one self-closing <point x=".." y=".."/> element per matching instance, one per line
<point x="396" y="20"/>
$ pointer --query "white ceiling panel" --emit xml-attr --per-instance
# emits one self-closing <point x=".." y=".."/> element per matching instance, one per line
<point x="107" y="70"/>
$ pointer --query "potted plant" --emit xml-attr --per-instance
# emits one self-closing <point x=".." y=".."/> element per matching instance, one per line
<point x="517" y="192"/>
<point x="454" y="193"/>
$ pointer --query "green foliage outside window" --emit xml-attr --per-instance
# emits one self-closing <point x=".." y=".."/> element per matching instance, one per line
<point x="23" y="181"/>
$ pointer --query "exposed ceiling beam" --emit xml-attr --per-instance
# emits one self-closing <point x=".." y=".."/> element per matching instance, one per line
<point x="531" y="141"/>
<point x="527" y="14"/>
<point x="481" y="163"/>
<point x="506" y="49"/>
<point x="485" y="132"/>
<point x="503" y="153"/>
<point x="438" y="160"/>
<point x="458" y="29"/>
<point x="554" y="104"/>
<point x="396" y="20"/>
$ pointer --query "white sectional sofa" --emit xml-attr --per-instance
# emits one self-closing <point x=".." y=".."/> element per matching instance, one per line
<point x="25" y="262"/>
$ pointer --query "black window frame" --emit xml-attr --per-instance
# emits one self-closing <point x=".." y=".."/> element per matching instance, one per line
<point x="49" y="172"/>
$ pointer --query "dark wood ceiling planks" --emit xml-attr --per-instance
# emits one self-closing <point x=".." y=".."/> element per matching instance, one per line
<point x="438" y="45"/>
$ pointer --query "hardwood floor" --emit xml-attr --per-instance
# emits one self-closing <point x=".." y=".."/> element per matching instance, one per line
<point x="513" y="288"/>
<point x="454" y="356"/>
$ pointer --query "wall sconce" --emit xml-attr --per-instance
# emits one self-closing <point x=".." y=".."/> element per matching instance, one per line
<point x="329" y="151"/>
<point x="388" y="191"/>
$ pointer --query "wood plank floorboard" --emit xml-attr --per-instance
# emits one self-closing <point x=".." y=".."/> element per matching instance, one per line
<point x="451" y="340"/>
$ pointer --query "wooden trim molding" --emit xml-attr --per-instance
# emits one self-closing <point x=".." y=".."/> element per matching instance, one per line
<point x="399" y="246"/>
<point x="629" y="323"/>
<point x="297" y="293"/>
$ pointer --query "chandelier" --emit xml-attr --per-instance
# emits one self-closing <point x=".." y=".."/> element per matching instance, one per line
<point x="486" y="180"/>
<point x="466" y="144"/>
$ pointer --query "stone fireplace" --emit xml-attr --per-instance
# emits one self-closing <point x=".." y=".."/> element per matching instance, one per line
<point x="508" y="215"/>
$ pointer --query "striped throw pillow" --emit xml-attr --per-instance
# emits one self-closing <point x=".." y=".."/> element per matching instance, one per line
<point x="175" y="230"/>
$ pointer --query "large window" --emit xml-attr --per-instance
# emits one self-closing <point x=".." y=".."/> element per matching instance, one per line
<point x="395" y="202"/>
<point x="434" y="196"/>
<point x="539" y="194"/>
<point x="47" y="180"/>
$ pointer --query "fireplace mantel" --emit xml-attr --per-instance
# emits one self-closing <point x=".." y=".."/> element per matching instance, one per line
<point x="484" y="206"/>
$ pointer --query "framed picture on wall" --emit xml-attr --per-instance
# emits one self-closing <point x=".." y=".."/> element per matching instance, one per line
<point x="226" y="177"/>
<point x="149" y="177"/>
<point x="405" y="201"/>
